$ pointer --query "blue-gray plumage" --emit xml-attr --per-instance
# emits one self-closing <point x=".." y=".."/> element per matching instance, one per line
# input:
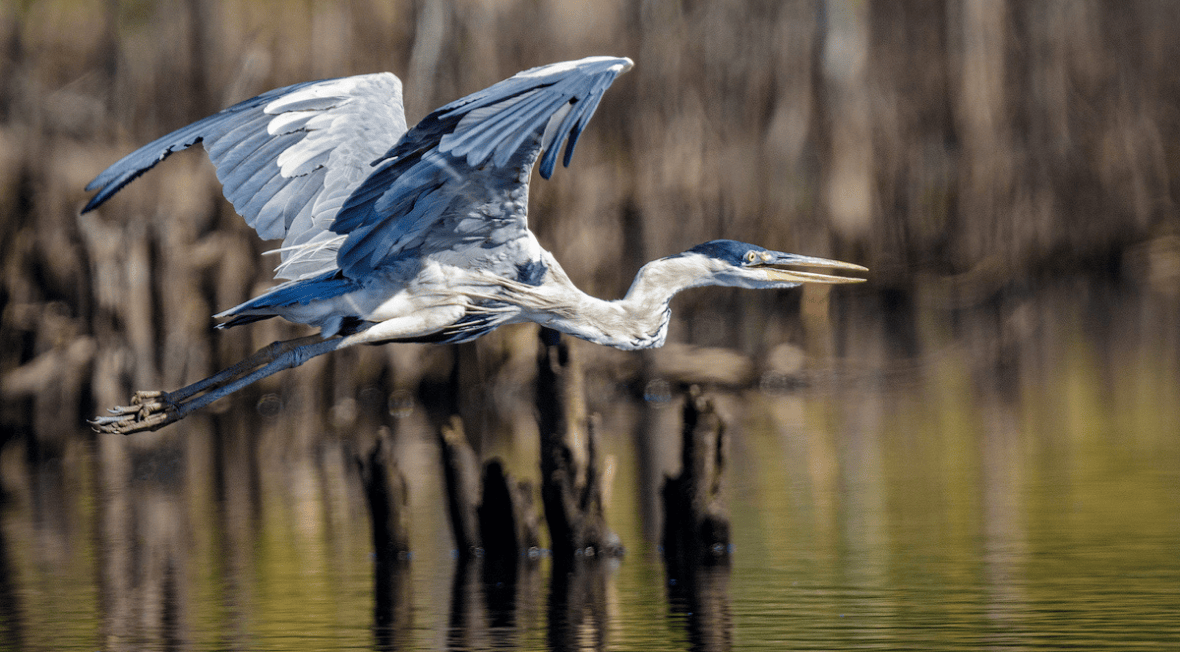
<point x="418" y="235"/>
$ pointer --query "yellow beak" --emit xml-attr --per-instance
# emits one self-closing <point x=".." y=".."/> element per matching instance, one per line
<point x="781" y="268"/>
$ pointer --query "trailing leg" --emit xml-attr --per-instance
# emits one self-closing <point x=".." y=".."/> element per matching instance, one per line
<point x="152" y="410"/>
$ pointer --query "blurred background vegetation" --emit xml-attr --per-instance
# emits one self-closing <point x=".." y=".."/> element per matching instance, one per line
<point x="974" y="154"/>
<point x="960" y="149"/>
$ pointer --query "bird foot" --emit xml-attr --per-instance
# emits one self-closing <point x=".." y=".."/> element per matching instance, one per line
<point x="149" y="410"/>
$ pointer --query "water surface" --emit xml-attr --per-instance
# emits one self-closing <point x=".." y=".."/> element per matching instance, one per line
<point x="1004" y="479"/>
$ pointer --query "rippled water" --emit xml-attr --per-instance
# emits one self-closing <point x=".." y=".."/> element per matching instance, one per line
<point x="982" y="492"/>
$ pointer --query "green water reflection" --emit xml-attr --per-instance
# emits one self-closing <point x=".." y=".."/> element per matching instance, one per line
<point x="979" y="495"/>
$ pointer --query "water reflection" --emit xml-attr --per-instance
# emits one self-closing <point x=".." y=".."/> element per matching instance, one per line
<point x="11" y="621"/>
<point x="141" y="523"/>
<point x="511" y="594"/>
<point x="463" y="627"/>
<point x="491" y="604"/>
<point x="392" y="602"/>
<point x="1012" y="483"/>
<point x="700" y="595"/>
<point x="577" y="606"/>
<point x="494" y="606"/>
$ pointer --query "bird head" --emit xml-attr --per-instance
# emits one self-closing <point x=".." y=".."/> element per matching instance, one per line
<point x="737" y="264"/>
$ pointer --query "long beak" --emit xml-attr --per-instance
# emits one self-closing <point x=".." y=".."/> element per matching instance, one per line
<point x="780" y="267"/>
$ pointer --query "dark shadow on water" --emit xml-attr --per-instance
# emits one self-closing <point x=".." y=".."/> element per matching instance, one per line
<point x="171" y="612"/>
<point x="511" y="592"/>
<point x="500" y="585"/>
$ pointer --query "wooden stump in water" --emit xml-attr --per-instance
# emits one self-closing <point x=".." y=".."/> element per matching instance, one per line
<point x="508" y="522"/>
<point x="494" y="519"/>
<point x="571" y="484"/>
<point x="386" y="495"/>
<point x="696" y="529"/>
<point x="385" y="491"/>
<point x="696" y="521"/>
<point x="498" y="523"/>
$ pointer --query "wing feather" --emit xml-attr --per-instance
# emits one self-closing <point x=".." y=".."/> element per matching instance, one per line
<point x="329" y="166"/>
<point x="469" y="160"/>
<point x="271" y="152"/>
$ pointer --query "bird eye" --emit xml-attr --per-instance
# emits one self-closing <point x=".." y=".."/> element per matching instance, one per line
<point x="751" y="256"/>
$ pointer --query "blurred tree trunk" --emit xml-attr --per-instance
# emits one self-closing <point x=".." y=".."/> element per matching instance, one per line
<point x="846" y="174"/>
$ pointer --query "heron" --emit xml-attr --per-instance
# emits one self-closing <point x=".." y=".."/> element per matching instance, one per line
<point x="396" y="234"/>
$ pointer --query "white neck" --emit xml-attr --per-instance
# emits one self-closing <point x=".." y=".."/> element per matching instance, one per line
<point x="637" y="321"/>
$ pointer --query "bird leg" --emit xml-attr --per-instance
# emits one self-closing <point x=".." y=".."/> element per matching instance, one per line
<point x="154" y="409"/>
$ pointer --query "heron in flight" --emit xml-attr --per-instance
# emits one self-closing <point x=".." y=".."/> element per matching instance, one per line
<point x="419" y="235"/>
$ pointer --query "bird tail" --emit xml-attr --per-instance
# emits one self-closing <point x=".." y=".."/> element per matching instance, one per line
<point x="270" y="304"/>
<point x="242" y="320"/>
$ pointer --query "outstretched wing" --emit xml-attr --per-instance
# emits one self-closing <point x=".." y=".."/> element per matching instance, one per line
<point x="287" y="159"/>
<point x="459" y="178"/>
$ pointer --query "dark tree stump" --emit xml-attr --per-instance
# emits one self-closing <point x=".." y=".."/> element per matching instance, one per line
<point x="696" y="521"/>
<point x="571" y="485"/>
<point x="387" y="497"/>
<point x="495" y="525"/>
<point x="508" y="522"/>
<point x="495" y="519"/>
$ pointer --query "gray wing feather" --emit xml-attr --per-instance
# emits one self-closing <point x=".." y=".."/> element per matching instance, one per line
<point x="287" y="159"/>
<point x="402" y="208"/>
